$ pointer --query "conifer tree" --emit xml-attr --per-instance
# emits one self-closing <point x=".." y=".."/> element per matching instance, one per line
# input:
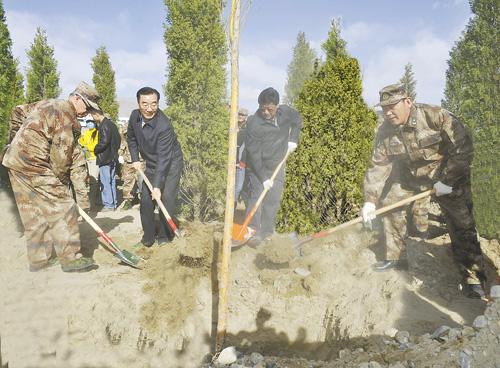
<point x="472" y="93"/>
<point x="409" y="81"/>
<point x="104" y="82"/>
<point x="299" y="69"/>
<point x="196" y="102"/>
<point x="325" y="174"/>
<point x="11" y="83"/>
<point x="42" y="77"/>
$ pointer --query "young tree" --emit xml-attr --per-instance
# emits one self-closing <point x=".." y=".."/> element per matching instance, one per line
<point x="104" y="82"/>
<point x="472" y="93"/>
<point x="42" y="77"/>
<point x="326" y="172"/>
<point x="196" y="102"/>
<point x="11" y="82"/>
<point x="409" y="81"/>
<point x="299" y="69"/>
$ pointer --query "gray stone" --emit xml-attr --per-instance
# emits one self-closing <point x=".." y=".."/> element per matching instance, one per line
<point x="234" y="365"/>
<point x="227" y="356"/>
<point x="480" y="322"/>
<point x="402" y="337"/>
<point x="396" y="365"/>
<point x="256" y="358"/>
<point x="373" y="364"/>
<point x="364" y="365"/>
<point x="465" y="360"/>
<point x="495" y="292"/>
<point x="344" y="353"/>
<point x="440" y="332"/>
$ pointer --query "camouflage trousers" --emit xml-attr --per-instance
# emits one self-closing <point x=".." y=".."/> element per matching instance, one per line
<point x="129" y="178"/>
<point x="49" y="215"/>
<point x="94" y="187"/>
<point x="457" y="211"/>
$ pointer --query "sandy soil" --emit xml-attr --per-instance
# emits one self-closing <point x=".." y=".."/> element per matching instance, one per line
<point x="308" y="307"/>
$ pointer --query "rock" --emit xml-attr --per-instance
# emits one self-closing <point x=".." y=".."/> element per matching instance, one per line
<point x="391" y="332"/>
<point x="465" y="360"/>
<point x="256" y="358"/>
<point x="234" y="365"/>
<point x="495" y="292"/>
<point x="364" y="365"/>
<point x="227" y="356"/>
<point x="440" y="332"/>
<point x="480" y="322"/>
<point x="344" y="353"/>
<point x="402" y="337"/>
<point x="302" y="272"/>
<point x="454" y="334"/>
<point x="396" y="365"/>
<point x="374" y="365"/>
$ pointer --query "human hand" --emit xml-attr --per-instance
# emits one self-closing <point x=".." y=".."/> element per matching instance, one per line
<point x="121" y="160"/>
<point x="137" y="165"/>
<point x="156" y="194"/>
<point x="442" y="189"/>
<point x="292" y="146"/>
<point x="268" y="184"/>
<point x="368" y="214"/>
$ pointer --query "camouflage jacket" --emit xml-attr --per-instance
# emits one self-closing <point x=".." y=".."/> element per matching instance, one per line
<point x="79" y="177"/>
<point x="433" y="145"/>
<point x="44" y="143"/>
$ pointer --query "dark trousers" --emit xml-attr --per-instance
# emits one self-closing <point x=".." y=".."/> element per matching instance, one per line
<point x="264" y="219"/>
<point x="168" y="197"/>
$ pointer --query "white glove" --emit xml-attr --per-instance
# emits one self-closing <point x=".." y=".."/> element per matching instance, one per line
<point x="442" y="189"/>
<point x="121" y="160"/>
<point x="268" y="184"/>
<point x="292" y="146"/>
<point x="368" y="213"/>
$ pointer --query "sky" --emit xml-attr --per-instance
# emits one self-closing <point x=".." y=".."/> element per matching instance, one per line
<point x="383" y="35"/>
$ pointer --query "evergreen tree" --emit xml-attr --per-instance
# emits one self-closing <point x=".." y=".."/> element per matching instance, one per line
<point x="42" y="77"/>
<point x="323" y="184"/>
<point x="409" y="81"/>
<point x="196" y="102"/>
<point x="104" y="82"/>
<point x="472" y="93"/>
<point x="300" y="68"/>
<point x="11" y="83"/>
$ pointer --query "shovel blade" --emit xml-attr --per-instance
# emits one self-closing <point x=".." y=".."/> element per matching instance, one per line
<point x="128" y="258"/>
<point x="239" y="232"/>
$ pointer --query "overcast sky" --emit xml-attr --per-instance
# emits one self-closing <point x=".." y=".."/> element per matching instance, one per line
<point x="383" y="35"/>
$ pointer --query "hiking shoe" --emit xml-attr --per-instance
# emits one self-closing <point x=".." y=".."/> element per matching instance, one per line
<point x="51" y="262"/>
<point x="388" y="264"/>
<point x="474" y="291"/>
<point x="126" y="205"/>
<point x="82" y="264"/>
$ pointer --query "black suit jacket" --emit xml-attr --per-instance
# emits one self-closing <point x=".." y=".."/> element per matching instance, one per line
<point x="108" y="143"/>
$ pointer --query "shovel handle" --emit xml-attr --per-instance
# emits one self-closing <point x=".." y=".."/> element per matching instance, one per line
<point x="170" y="222"/>
<point x="98" y="230"/>
<point x="262" y="195"/>
<point x="377" y="212"/>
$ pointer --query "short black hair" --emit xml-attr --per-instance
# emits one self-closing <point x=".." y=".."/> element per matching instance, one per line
<point x="144" y="91"/>
<point x="269" y="95"/>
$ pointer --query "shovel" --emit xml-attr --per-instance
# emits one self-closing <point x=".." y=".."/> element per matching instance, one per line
<point x="240" y="231"/>
<point x="359" y="219"/>
<point x="123" y="255"/>
<point x="170" y="222"/>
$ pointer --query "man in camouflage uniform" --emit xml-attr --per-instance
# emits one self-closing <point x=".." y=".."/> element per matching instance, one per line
<point x="39" y="160"/>
<point x="419" y="147"/>
<point x="79" y="177"/>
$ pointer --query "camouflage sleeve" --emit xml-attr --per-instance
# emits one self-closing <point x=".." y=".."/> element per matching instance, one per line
<point x="458" y="152"/>
<point x="378" y="172"/>
<point x="61" y="151"/>
<point x="79" y="178"/>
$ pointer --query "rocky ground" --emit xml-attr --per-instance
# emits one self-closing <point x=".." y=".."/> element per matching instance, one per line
<point x="318" y="306"/>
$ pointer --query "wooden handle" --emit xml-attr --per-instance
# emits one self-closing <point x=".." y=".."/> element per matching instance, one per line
<point x="97" y="229"/>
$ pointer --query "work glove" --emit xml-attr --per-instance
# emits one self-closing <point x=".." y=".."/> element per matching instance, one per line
<point x="442" y="189"/>
<point x="121" y="160"/>
<point x="368" y="214"/>
<point x="268" y="184"/>
<point x="292" y="146"/>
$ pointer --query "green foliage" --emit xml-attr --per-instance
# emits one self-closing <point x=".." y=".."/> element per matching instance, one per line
<point x="334" y="45"/>
<point x="472" y="93"/>
<point x="324" y="176"/>
<point x="409" y="81"/>
<point x="104" y="82"/>
<point x="300" y="68"/>
<point x="42" y="77"/>
<point x="196" y="95"/>
<point x="11" y="82"/>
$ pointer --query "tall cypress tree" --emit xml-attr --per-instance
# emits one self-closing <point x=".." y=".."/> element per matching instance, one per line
<point x="409" y="81"/>
<point x="472" y="93"/>
<point x="104" y="82"/>
<point x="299" y="69"/>
<point x="196" y="102"/>
<point x="42" y="77"/>
<point x="323" y="185"/>
<point x="11" y="82"/>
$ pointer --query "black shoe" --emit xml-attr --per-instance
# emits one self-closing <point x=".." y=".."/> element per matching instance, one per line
<point x="254" y="241"/>
<point x="163" y="241"/>
<point x="388" y="264"/>
<point x="474" y="291"/>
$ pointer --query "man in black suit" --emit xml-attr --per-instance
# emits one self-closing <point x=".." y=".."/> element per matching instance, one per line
<point x="151" y="134"/>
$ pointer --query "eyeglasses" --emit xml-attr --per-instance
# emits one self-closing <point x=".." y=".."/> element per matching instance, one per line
<point x="152" y="105"/>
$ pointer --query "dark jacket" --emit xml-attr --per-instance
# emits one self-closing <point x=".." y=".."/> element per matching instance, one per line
<point x="108" y="143"/>
<point x="267" y="142"/>
<point x="240" y="145"/>
<point x="157" y="143"/>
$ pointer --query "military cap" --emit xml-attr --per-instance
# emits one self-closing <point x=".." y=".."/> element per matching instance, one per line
<point x="392" y="94"/>
<point x="89" y="94"/>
